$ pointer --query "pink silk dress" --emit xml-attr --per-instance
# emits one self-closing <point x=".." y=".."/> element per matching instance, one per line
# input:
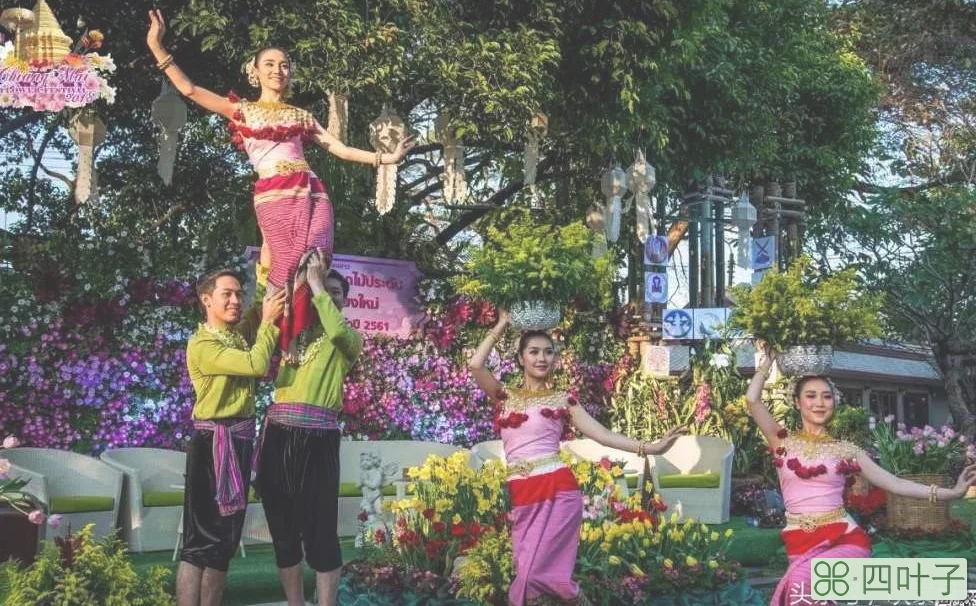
<point x="291" y="203"/>
<point x="813" y="476"/>
<point x="546" y="502"/>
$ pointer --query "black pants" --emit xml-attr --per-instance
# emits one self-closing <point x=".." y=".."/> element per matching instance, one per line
<point x="210" y="539"/>
<point x="298" y="481"/>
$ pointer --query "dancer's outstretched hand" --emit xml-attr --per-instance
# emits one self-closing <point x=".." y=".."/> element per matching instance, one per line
<point x="504" y="319"/>
<point x="666" y="441"/>
<point x="966" y="479"/>
<point x="406" y="144"/>
<point x="157" y="29"/>
<point x="273" y="306"/>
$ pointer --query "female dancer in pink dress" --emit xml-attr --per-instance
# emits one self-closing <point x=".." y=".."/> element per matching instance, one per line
<point x="813" y="471"/>
<point x="546" y="501"/>
<point x="292" y="206"/>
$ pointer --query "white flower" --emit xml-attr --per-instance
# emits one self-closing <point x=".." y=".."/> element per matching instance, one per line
<point x="720" y="361"/>
<point x="889" y="418"/>
<point x="872" y="422"/>
<point x="6" y="49"/>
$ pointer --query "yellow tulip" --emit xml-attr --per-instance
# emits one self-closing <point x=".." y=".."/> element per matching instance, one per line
<point x="614" y="560"/>
<point x="636" y="571"/>
<point x="712" y="564"/>
<point x="646" y="542"/>
<point x="668" y="563"/>
<point x="714" y="536"/>
<point x="690" y="561"/>
<point x="728" y="533"/>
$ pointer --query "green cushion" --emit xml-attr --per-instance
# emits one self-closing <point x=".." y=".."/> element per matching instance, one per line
<point x="251" y="497"/>
<point x="81" y="504"/>
<point x="690" y="480"/>
<point x="351" y="489"/>
<point x="163" y="498"/>
<point x="632" y="481"/>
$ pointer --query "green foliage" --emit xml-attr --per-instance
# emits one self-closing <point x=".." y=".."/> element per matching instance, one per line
<point x="921" y="451"/>
<point x="528" y="261"/>
<point x="77" y="571"/>
<point x="795" y="308"/>
<point x="850" y="423"/>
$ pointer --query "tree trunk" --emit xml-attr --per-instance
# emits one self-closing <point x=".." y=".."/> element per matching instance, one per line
<point x="959" y="375"/>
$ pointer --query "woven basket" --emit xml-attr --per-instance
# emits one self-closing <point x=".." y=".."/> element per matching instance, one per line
<point x="860" y="486"/>
<point x="906" y="514"/>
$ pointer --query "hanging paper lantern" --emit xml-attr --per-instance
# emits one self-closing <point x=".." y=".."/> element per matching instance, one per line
<point x="538" y="127"/>
<point x="744" y="217"/>
<point x="88" y="131"/>
<point x="17" y="20"/>
<point x="614" y="186"/>
<point x="338" y="116"/>
<point x="455" y="180"/>
<point x="385" y="133"/>
<point x="169" y="115"/>
<point x="641" y="180"/>
<point x="595" y="221"/>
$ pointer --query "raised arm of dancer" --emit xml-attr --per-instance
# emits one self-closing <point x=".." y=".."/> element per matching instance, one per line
<point x="487" y="381"/>
<point x="353" y="154"/>
<point x="906" y="488"/>
<point x="209" y="100"/>
<point x="760" y="414"/>
<point x="594" y="430"/>
<point x="248" y="326"/>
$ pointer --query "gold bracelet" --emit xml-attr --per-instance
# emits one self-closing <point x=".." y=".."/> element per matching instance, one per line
<point x="165" y="63"/>
<point x="933" y="496"/>
<point x="642" y="448"/>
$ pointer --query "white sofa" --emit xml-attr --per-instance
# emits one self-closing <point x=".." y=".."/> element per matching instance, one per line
<point x="694" y="478"/>
<point x="492" y="450"/>
<point x="395" y="455"/>
<point x="81" y="489"/>
<point x="152" y="496"/>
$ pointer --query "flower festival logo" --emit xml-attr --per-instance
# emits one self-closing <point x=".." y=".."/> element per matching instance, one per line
<point x="39" y="69"/>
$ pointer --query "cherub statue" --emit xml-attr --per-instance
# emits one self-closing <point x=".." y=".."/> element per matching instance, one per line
<point x="373" y="475"/>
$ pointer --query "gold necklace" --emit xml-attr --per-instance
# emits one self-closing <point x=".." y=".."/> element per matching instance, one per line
<point x="271" y="105"/>
<point x="817" y="438"/>
<point x="228" y="338"/>
<point x="307" y="351"/>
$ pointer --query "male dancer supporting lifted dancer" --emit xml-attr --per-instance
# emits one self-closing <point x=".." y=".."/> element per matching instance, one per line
<point x="222" y="365"/>
<point x="298" y="458"/>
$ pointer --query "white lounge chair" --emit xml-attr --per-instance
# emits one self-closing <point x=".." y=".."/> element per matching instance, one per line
<point x="694" y="478"/>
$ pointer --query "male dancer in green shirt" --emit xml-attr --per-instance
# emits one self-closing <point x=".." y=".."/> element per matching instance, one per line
<point x="298" y="467"/>
<point x="222" y="365"/>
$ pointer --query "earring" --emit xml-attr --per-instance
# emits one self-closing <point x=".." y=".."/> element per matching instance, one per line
<point x="252" y="77"/>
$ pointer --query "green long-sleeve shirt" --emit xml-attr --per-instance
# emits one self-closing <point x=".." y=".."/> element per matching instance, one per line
<point x="223" y="365"/>
<point x="333" y="348"/>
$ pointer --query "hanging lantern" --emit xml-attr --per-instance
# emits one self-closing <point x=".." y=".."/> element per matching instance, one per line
<point x="385" y="133"/>
<point x="743" y="217"/>
<point x="455" y="181"/>
<point x="614" y="186"/>
<point x="641" y="179"/>
<point x="17" y="20"/>
<point x="538" y="127"/>
<point x="169" y="115"/>
<point x="595" y="221"/>
<point x="88" y="131"/>
<point x="338" y="116"/>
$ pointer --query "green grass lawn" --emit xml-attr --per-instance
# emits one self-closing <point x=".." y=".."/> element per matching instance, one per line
<point x="250" y="580"/>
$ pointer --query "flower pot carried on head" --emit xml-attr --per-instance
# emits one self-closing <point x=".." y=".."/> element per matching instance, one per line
<point x="908" y="514"/>
<point x="801" y="360"/>
<point x="535" y="315"/>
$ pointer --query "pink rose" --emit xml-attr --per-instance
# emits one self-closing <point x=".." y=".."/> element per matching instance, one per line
<point x="11" y="442"/>
<point x="36" y="517"/>
<point x="54" y="521"/>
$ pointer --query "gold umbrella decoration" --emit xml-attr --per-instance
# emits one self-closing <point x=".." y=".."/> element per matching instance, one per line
<point x="88" y="131"/>
<point x="455" y="180"/>
<point x="17" y="20"/>
<point x="385" y="133"/>
<point x="641" y="178"/>
<point x="169" y="115"/>
<point x="45" y="42"/>
<point x="538" y="127"/>
<point x="338" y="116"/>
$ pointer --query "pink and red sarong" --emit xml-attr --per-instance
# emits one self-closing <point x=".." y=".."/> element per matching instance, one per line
<point x="828" y="541"/>
<point x="548" y="511"/>
<point x="296" y="218"/>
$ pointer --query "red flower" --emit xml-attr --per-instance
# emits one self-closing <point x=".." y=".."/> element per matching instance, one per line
<point x="475" y="529"/>
<point x="363" y="516"/>
<point x="439" y="527"/>
<point x="572" y="401"/>
<point x="802" y="473"/>
<point x="605" y="463"/>
<point x="458" y="530"/>
<point x="547" y="412"/>
<point x="821" y="469"/>
<point x="770" y="449"/>
<point x="379" y="536"/>
<point x="793" y="464"/>
<point x="778" y="463"/>
<point x="429" y="513"/>
<point x="782" y="434"/>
